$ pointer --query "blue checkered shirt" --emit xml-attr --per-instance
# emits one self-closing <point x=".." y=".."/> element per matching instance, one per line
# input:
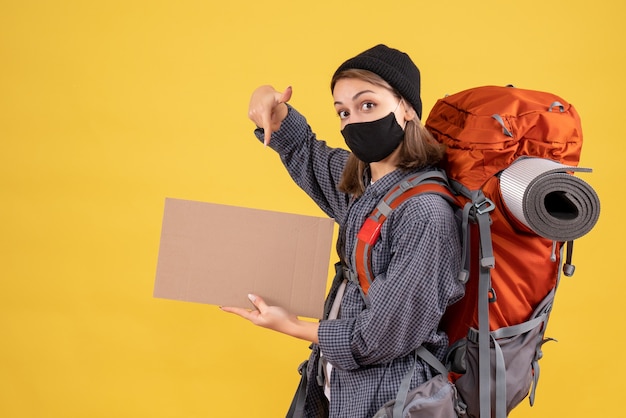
<point x="415" y="263"/>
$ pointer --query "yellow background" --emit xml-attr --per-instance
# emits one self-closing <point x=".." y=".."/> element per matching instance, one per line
<point x="108" y="107"/>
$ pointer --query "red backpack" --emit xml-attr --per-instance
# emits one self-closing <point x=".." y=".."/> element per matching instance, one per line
<point x="509" y="158"/>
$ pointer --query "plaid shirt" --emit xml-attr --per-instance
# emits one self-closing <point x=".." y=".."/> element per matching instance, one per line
<point x="415" y="263"/>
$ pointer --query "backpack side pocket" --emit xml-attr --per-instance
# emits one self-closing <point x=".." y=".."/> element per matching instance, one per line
<point x="514" y="351"/>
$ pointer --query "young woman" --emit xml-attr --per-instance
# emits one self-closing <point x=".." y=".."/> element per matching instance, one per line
<point x="364" y="352"/>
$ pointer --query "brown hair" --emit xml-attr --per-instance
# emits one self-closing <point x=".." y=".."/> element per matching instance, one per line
<point x="418" y="149"/>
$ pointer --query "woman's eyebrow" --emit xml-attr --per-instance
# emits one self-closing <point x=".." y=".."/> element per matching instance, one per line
<point x="356" y="96"/>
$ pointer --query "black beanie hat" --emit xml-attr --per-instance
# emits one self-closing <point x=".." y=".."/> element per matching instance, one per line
<point x="393" y="66"/>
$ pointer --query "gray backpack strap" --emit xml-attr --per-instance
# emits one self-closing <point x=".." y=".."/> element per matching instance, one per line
<point x="480" y="211"/>
<point x="433" y="361"/>
<point x="296" y="409"/>
<point x="500" y="366"/>
<point x="500" y="383"/>
<point x="537" y="322"/>
<point x="465" y="241"/>
<point x="322" y="376"/>
<point x="405" y="384"/>
<point x="433" y="176"/>
<point x="403" y="390"/>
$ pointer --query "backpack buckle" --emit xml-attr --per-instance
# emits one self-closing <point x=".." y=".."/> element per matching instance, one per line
<point x="350" y="275"/>
<point x="484" y="206"/>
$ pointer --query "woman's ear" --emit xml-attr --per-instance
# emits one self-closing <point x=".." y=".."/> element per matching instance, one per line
<point x="409" y="112"/>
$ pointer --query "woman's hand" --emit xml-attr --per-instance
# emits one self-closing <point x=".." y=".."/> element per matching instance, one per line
<point x="268" y="109"/>
<point x="277" y="319"/>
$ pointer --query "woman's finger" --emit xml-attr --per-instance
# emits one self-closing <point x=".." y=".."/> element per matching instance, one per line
<point x="258" y="302"/>
<point x="244" y="313"/>
<point x="267" y="109"/>
<point x="286" y="96"/>
<point x="266" y="124"/>
<point x="270" y="121"/>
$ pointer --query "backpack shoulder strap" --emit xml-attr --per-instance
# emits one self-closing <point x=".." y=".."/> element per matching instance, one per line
<point x="429" y="182"/>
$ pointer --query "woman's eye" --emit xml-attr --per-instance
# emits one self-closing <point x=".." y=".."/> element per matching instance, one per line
<point x="368" y="106"/>
<point x="343" y="114"/>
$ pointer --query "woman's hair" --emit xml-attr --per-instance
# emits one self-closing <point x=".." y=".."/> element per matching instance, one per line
<point x="418" y="149"/>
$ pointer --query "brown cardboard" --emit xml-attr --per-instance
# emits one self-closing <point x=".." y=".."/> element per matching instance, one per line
<point x="217" y="254"/>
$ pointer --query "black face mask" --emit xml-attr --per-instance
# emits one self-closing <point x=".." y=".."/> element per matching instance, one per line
<point x="373" y="141"/>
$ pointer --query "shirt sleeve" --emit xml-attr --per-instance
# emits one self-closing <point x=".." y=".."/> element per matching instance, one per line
<point x="311" y="163"/>
<point x="409" y="295"/>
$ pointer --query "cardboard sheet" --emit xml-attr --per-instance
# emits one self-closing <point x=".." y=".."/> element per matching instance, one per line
<point x="217" y="254"/>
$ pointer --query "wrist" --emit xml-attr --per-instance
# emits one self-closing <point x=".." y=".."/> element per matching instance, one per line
<point x="305" y="330"/>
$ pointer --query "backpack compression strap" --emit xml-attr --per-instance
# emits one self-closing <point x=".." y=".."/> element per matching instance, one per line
<point x="429" y="182"/>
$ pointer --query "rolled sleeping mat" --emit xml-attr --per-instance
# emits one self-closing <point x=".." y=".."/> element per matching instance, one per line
<point x="544" y="196"/>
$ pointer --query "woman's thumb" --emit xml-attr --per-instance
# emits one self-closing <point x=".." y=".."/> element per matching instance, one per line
<point x="286" y="96"/>
<point x="257" y="301"/>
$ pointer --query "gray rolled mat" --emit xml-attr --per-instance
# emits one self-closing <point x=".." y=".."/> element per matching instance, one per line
<point x="543" y="196"/>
